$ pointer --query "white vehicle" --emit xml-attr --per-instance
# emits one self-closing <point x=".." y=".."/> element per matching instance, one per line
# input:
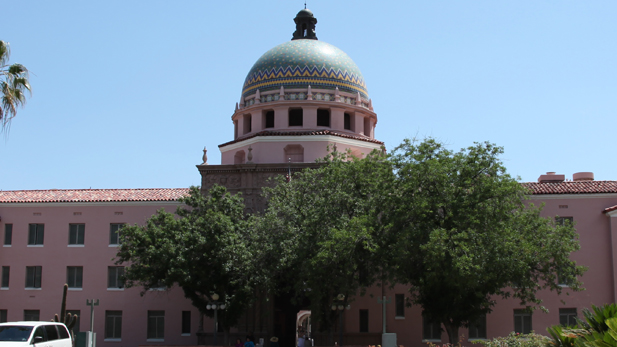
<point x="47" y="334"/>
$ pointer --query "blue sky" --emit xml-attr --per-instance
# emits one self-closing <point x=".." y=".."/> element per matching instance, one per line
<point x="127" y="93"/>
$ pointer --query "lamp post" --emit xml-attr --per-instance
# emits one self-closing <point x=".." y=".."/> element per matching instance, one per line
<point x="340" y="307"/>
<point x="215" y="305"/>
<point x="92" y="303"/>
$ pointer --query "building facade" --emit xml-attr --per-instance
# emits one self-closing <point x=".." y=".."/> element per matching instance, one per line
<point x="299" y="101"/>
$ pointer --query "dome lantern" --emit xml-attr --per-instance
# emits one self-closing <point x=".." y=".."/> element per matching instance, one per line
<point x="305" y="25"/>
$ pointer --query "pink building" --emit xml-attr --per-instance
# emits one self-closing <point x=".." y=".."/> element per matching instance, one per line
<point x="299" y="98"/>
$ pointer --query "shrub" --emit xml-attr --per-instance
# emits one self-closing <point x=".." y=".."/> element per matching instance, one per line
<point x="516" y="340"/>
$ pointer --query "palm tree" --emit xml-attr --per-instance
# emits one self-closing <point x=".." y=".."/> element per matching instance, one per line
<point x="14" y="84"/>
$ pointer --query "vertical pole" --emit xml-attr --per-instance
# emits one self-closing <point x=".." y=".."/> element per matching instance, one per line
<point x="215" y="323"/>
<point x="92" y="303"/>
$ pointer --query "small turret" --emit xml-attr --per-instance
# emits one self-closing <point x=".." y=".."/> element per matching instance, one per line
<point x="305" y="25"/>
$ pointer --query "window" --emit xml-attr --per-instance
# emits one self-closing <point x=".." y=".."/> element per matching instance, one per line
<point x="522" y="321"/>
<point x="156" y="324"/>
<point x="564" y="220"/>
<point x="364" y="321"/>
<point x="567" y="317"/>
<point x="367" y="126"/>
<point x="75" y="313"/>
<point x="31" y="315"/>
<point x="430" y="330"/>
<point x="477" y="328"/>
<point x="113" y="324"/>
<point x="347" y="121"/>
<point x="3" y="316"/>
<point x="5" y="276"/>
<point x="247" y="123"/>
<point x="8" y="234"/>
<point x="33" y="276"/>
<point x="35" y="234"/>
<point x="77" y="233"/>
<point x="186" y="322"/>
<point x="74" y="276"/>
<point x="114" y="233"/>
<point x="114" y="277"/>
<point x="399" y="301"/>
<point x="269" y="119"/>
<point x="295" y="117"/>
<point x="323" y="118"/>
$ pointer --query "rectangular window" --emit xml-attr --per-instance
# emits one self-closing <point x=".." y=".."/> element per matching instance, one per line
<point x="477" y="328"/>
<point x="430" y="330"/>
<point x="33" y="276"/>
<point x="522" y="321"/>
<point x="323" y="118"/>
<point x="347" y="121"/>
<point x="186" y="322"/>
<point x="567" y="317"/>
<point x="75" y="313"/>
<point x="36" y="234"/>
<point x="31" y="315"/>
<point x="113" y="324"/>
<point x="74" y="276"/>
<point x="77" y="232"/>
<point x="114" y="233"/>
<point x="6" y="270"/>
<point x="364" y="321"/>
<point x="156" y="325"/>
<point x="114" y="277"/>
<point x="564" y="220"/>
<point x="295" y="117"/>
<point x="3" y="316"/>
<point x="8" y="234"/>
<point x="399" y="301"/>
<point x="269" y="119"/>
<point x="248" y="119"/>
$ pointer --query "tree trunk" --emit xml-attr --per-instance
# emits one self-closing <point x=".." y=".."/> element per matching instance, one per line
<point x="452" y="331"/>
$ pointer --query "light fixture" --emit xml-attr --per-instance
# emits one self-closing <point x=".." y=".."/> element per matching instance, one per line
<point x="215" y="296"/>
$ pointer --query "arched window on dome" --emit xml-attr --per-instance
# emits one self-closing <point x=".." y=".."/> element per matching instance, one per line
<point x="235" y="129"/>
<point x="323" y="118"/>
<point x="239" y="157"/>
<point x="294" y="153"/>
<point x="367" y="126"/>
<point x="347" y="121"/>
<point x="304" y="32"/>
<point x="268" y="119"/>
<point x="247" y="123"/>
<point x="295" y="117"/>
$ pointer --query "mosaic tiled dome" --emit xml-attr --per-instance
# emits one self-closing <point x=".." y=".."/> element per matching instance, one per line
<point x="304" y="62"/>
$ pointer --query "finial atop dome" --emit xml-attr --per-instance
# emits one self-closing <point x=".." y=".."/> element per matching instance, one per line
<point x="305" y="25"/>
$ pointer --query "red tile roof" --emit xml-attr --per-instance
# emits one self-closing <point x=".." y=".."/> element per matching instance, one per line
<point x="304" y="133"/>
<point x="609" y="209"/>
<point x="92" y="195"/>
<point x="572" y="187"/>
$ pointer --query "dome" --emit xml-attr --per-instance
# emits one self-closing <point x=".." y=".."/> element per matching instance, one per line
<point x="305" y="13"/>
<point x="303" y="62"/>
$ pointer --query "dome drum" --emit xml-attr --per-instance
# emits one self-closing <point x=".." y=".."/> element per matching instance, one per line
<point x="301" y="94"/>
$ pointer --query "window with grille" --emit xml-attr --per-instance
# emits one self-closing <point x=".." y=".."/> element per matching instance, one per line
<point x="399" y="302"/>
<point x="74" y="276"/>
<point x="36" y="234"/>
<point x="115" y="278"/>
<point x="269" y="119"/>
<point x="347" y="121"/>
<point x="477" y="328"/>
<point x="186" y="322"/>
<point x="33" y="276"/>
<point x="323" y="118"/>
<point x="3" y="316"/>
<point x="6" y="271"/>
<point x="430" y="330"/>
<point x="156" y="325"/>
<point x="113" y="324"/>
<point x="364" y="321"/>
<point x="31" y="315"/>
<point x="75" y="313"/>
<point x="8" y="234"/>
<point x="114" y="233"/>
<point x="567" y="317"/>
<point x="522" y="321"/>
<point x="77" y="232"/>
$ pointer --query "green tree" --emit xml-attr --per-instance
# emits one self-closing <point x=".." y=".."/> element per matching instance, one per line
<point x="467" y="235"/>
<point x="203" y="249"/>
<point x="14" y="85"/>
<point x="321" y="231"/>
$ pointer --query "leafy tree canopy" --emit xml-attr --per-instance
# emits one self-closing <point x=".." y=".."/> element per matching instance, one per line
<point x="204" y="249"/>
<point x="14" y="85"/>
<point x="466" y="234"/>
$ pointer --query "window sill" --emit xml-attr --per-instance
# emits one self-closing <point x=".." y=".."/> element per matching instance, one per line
<point x="112" y="340"/>
<point x="430" y="340"/>
<point x="157" y="289"/>
<point x="155" y="340"/>
<point x="75" y="245"/>
<point x="471" y="339"/>
<point x="185" y="334"/>
<point x="75" y="289"/>
<point x="35" y="245"/>
<point x="30" y="288"/>
<point x="6" y="245"/>
<point x="114" y="245"/>
<point x="399" y="317"/>
<point x="4" y="288"/>
<point x="115" y="289"/>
